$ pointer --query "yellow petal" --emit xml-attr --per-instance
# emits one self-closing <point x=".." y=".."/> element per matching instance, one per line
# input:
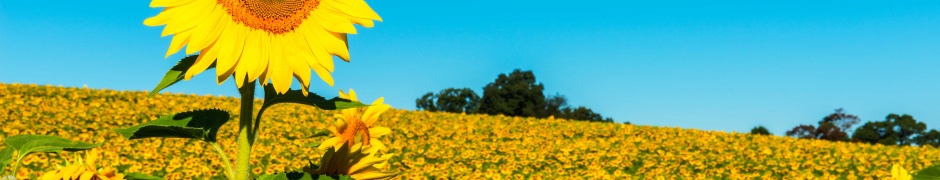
<point x="78" y="172"/>
<point x="162" y="18"/>
<point x="169" y="3"/>
<point x="264" y="48"/>
<point x="329" y="143"/>
<point x="69" y="170"/>
<point x="177" y="43"/>
<point x="187" y="17"/>
<point x="376" y="144"/>
<point x="208" y="32"/>
<point x="353" y="8"/>
<point x="323" y="56"/>
<point x="91" y="157"/>
<point x="374" y="175"/>
<point x="379" y="131"/>
<point x="52" y="175"/>
<point x="251" y="57"/>
<point x="87" y="175"/>
<point x="335" y="43"/>
<point x="331" y="21"/>
<point x="233" y="41"/>
<point x="205" y="59"/>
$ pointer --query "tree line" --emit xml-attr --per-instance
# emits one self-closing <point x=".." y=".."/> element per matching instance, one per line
<point x="516" y="94"/>
<point x="896" y="129"/>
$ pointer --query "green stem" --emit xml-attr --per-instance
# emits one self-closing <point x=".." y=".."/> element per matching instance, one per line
<point x="225" y="161"/>
<point x="16" y="165"/>
<point x="242" y="165"/>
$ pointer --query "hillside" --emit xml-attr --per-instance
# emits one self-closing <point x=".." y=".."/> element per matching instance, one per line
<point x="438" y="144"/>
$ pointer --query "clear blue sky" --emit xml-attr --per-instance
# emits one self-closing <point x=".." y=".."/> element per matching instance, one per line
<point x="713" y="65"/>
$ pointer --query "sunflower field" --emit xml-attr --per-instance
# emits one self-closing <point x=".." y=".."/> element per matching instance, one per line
<point x="436" y="145"/>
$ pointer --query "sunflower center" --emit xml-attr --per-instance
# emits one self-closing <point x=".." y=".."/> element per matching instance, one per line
<point x="273" y="16"/>
<point x="353" y="128"/>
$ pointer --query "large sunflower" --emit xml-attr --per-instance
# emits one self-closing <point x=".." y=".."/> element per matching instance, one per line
<point x="262" y="39"/>
<point x="357" y="121"/>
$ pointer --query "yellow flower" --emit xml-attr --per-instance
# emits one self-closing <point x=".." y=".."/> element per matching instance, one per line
<point x="83" y="169"/>
<point x="899" y="173"/>
<point x="357" y="121"/>
<point x="262" y="39"/>
<point x="359" y="162"/>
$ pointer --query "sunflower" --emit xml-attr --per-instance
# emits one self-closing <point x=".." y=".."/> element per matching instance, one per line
<point x="83" y="169"/>
<point x="262" y="39"/>
<point x="358" y="161"/>
<point x="361" y="121"/>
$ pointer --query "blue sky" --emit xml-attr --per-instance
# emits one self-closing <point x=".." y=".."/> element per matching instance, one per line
<point x="713" y="65"/>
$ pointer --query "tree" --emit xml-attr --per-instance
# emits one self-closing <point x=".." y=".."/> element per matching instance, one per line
<point x="879" y="132"/>
<point x="426" y="102"/>
<point x="516" y="94"/>
<point x="894" y="130"/>
<point x="840" y="119"/>
<point x="832" y="127"/>
<point x="458" y="100"/>
<point x="554" y="105"/>
<point x="760" y="130"/>
<point x="803" y="131"/>
<point x="931" y="138"/>
<point x="450" y="100"/>
<point x="583" y="113"/>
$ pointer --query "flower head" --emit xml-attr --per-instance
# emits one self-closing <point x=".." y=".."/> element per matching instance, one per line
<point x="262" y="39"/>
<point x="358" y="161"/>
<point x="83" y="169"/>
<point x="357" y="121"/>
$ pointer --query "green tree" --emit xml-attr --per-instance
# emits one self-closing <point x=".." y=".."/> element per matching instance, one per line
<point x="931" y="138"/>
<point x="894" y="130"/>
<point x="833" y="127"/>
<point x="584" y="114"/>
<point x="458" y="100"/>
<point x="450" y="100"/>
<point x="516" y="94"/>
<point x="760" y="130"/>
<point x="426" y="102"/>
<point x="554" y="105"/>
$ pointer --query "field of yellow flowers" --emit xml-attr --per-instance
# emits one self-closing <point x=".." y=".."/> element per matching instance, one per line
<point x="436" y="145"/>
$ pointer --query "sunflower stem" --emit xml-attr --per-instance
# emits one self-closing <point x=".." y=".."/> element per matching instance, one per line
<point x="225" y="160"/>
<point x="242" y="165"/>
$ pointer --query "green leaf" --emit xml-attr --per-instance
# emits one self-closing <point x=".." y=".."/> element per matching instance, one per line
<point x="320" y="133"/>
<point x="177" y="73"/>
<point x="932" y="172"/>
<point x="271" y="97"/>
<point x="302" y="176"/>
<point x="140" y="176"/>
<point x="29" y="143"/>
<point x="25" y="144"/>
<point x="199" y="124"/>
<point x="6" y="155"/>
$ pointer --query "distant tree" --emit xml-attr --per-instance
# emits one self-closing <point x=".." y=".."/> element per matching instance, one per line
<point x="516" y="94"/>
<point x="458" y="100"/>
<point x="832" y="127"/>
<point x="878" y="132"/>
<point x="450" y="100"/>
<point x="426" y="102"/>
<point x="841" y="120"/>
<point x="554" y="105"/>
<point x="760" y="130"/>
<point x="894" y="130"/>
<point x="584" y="114"/>
<point x="803" y="131"/>
<point x="931" y="138"/>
